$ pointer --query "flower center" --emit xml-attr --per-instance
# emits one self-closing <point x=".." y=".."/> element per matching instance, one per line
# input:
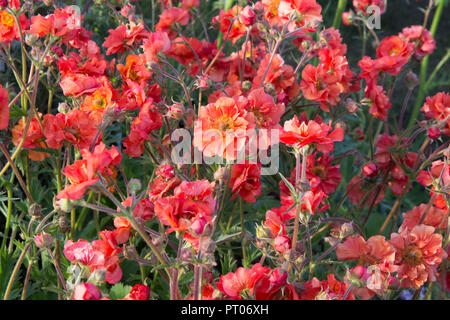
<point x="412" y="255"/>
<point x="7" y="19"/>
<point x="320" y="172"/>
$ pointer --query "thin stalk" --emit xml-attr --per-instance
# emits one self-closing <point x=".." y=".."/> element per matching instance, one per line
<point x="244" y="252"/>
<point x="338" y="16"/>
<point x="424" y="65"/>
<point x="15" y="271"/>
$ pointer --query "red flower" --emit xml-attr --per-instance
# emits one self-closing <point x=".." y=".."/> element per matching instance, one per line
<point x="245" y="181"/>
<point x="241" y="284"/>
<point x="124" y="37"/>
<point x="229" y="20"/>
<point x="418" y="253"/>
<point x="76" y="127"/>
<point x="392" y="54"/>
<point x="86" y="291"/>
<point x="82" y="173"/>
<point x="171" y="16"/>
<point x="148" y="120"/>
<point x="138" y="292"/>
<point x="438" y="107"/>
<point x="329" y="289"/>
<point x="34" y="138"/>
<point x="305" y="133"/>
<point x="425" y="42"/>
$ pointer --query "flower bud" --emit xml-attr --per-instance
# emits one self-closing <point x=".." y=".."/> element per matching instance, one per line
<point x="347" y="18"/>
<point x="63" y="205"/>
<point x="282" y="243"/>
<point x="127" y="10"/>
<point x="129" y="252"/>
<point x="176" y="111"/>
<point x="269" y="88"/>
<point x="208" y="245"/>
<point x="63" y="107"/>
<point x="247" y="16"/>
<point x="246" y="85"/>
<point x="370" y="170"/>
<point x="351" y="105"/>
<point x="134" y="185"/>
<point x="186" y="254"/>
<point x="98" y="276"/>
<point x="87" y="290"/>
<point x="63" y="224"/>
<point x="31" y="39"/>
<point x="35" y="211"/>
<point x="411" y="80"/>
<point x="434" y="132"/>
<point x="43" y="240"/>
<point x="221" y="174"/>
<point x="262" y="232"/>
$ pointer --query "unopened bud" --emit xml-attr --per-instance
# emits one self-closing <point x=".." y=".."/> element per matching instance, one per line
<point x="434" y="132"/>
<point x="35" y="211"/>
<point x="208" y="246"/>
<point x="246" y="85"/>
<point x="63" y="224"/>
<point x="176" y="111"/>
<point x="262" y="232"/>
<point x="134" y="185"/>
<point x="269" y="88"/>
<point x="129" y="253"/>
<point x="370" y="170"/>
<point x="43" y="240"/>
<point x="63" y="107"/>
<point x="411" y="80"/>
<point x="221" y="174"/>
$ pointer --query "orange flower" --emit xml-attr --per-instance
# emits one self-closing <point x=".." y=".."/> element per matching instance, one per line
<point x="375" y="251"/>
<point x="245" y="181"/>
<point x="438" y="107"/>
<point x="435" y="217"/>
<point x="77" y="127"/>
<point x="225" y="21"/>
<point x="305" y="133"/>
<point x="171" y="16"/>
<point x="34" y="139"/>
<point x="124" y="37"/>
<point x="135" y="69"/>
<point x="8" y="27"/>
<point x="418" y="253"/>
<point x="222" y="127"/>
<point x="99" y="100"/>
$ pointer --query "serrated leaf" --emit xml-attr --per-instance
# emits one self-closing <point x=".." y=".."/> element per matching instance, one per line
<point x="119" y="291"/>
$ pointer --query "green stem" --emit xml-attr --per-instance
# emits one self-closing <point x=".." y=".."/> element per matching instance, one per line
<point x="338" y="16"/>
<point x="244" y="252"/>
<point x="423" y="68"/>
<point x="8" y="217"/>
<point x="16" y="270"/>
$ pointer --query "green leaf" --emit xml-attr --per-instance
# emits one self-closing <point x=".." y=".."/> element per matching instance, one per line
<point x="290" y="186"/>
<point x="119" y="291"/>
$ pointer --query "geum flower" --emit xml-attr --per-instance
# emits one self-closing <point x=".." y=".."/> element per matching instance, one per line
<point x="258" y="282"/>
<point x="418" y="253"/>
<point x="75" y="127"/>
<point x="300" y="133"/>
<point x="223" y="128"/>
<point x="190" y="209"/>
<point x="245" y="181"/>
<point x="83" y="173"/>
